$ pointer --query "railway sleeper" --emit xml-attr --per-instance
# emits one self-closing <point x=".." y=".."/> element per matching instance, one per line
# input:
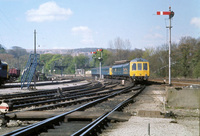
<point x="76" y="116"/>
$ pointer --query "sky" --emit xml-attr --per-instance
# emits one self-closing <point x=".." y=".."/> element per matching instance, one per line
<point x="71" y="24"/>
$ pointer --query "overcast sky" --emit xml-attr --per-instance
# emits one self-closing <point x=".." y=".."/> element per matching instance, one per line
<point x="70" y="24"/>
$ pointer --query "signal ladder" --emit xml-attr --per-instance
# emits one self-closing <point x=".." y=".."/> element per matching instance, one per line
<point x="29" y="70"/>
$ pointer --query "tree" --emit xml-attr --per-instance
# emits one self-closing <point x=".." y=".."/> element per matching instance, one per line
<point x="121" y="47"/>
<point x="136" y="53"/>
<point x="68" y="61"/>
<point x="55" y="60"/>
<point x="2" y="49"/>
<point x="44" y="60"/>
<point x="196" y="60"/>
<point x="107" y="60"/>
<point x="187" y="48"/>
<point x="81" y="61"/>
<point x="17" y="52"/>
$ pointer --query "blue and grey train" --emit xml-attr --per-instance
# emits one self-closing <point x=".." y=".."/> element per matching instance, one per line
<point x="136" y="70"/>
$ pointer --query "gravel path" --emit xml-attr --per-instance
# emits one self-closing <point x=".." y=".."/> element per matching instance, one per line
<point x="151" y="99"/>
<point x="138" y="126"/>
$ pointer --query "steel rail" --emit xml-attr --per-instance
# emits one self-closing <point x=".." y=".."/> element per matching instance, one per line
<point x="8" y="96"/>
<point x="57" y="99"/>
<point x="29" y="99"/>
<point x="41" y="84"/>
<point x="95" y="127"/>
<point x="68" y="96"/>
<point x="50" y="122"/>
<point x="64" y="104"/>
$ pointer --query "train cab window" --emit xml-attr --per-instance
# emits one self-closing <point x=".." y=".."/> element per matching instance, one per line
<point x="4" y="67"/>
<point x="139" y="66"/>
<point x="145" y="66"/>
<point x="134" y="66"/>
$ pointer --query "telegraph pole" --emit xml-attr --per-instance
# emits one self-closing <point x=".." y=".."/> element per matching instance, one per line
<point x="171" y="14"/>
<point x="35" y="55"/>
<point x="75" y="69"/>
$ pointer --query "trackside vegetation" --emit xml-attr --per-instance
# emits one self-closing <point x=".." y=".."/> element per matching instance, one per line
<point x="185" y="58"/>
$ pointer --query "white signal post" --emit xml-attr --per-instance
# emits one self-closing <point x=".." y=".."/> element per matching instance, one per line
<point x="171" y="14"/>
<point x="100" y="59"/>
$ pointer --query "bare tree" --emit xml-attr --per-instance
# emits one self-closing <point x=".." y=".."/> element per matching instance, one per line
<point x="121" y="48"/>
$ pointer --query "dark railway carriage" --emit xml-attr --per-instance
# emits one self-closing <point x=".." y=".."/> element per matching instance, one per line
<point x="3" y="72"/>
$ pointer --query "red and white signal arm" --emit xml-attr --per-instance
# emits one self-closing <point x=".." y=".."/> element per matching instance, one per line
<point x="93" y="52"/>
<point x="99" y="49"/>
<point x="170" y="13"/>
<point x="163" y="12"/>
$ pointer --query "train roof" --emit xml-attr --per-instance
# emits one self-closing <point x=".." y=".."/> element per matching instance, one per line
<point x="103" y="67"/>
<point x="139" y="60"/>
<point x="121" y="62"/>
<point x="3" y="63"/>
<point x="120" y="65"/>
<point x="116" y="66"/>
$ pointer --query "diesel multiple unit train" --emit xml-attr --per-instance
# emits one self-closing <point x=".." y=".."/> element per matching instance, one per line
<point x="136" y="70"/>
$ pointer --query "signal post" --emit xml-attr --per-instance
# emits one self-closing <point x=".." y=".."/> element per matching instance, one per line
<point x="171" y="14"/>
<point x="100" y="59"/>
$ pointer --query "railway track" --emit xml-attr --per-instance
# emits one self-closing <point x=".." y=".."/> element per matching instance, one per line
<point x="40" y="92"/>
<point x="70" y="96"/>
<point x="82" y="95"/>
<point x="13" y="85"/>
<point x="67" y="94"/>
<point x="115" y="99"/>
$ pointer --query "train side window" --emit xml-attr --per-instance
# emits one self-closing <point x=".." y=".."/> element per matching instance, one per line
<point x="134" y="66"/>
<point x="145" y="66"/>
<point x="139" y="66"/>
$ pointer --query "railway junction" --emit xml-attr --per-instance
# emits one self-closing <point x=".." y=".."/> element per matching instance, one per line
<point x="100" y="107"/>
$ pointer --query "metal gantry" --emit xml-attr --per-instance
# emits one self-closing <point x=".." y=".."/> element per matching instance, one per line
<point x="29" y="70"/>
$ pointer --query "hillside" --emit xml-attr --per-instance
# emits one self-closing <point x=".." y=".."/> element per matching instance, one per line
<point x="73" y="52"/>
